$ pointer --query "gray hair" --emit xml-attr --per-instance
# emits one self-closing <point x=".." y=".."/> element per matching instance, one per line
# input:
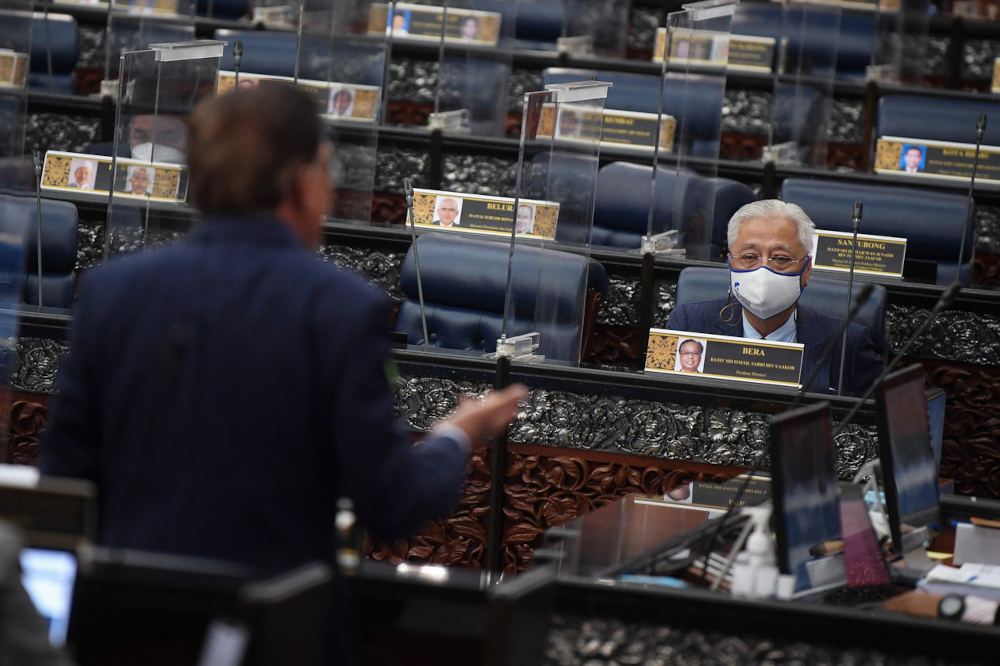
<point x="771" y="208"/>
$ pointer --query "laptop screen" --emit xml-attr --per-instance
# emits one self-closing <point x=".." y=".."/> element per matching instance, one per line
<point x="48" y="577"/>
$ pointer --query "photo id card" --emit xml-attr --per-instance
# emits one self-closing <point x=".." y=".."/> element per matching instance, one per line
<point x="724" y="357"/>
<point x="434" y="209"/>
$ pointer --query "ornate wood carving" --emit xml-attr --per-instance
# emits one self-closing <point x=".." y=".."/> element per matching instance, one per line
<point x="736" y="146"/>
<point x="848" y="155"/>
<point x="23" y="424"/>
<point x="542" y="490"/>
<point x="986" y="269"/>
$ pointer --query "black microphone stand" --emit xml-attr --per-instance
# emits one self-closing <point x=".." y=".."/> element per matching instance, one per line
<point x="850" y="288"/>
<point x="408" y="191"/>
<point x="37" y="158"/>
<point x="969" y="215"/>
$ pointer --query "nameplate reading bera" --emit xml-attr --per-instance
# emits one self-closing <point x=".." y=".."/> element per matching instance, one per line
<point x="448" y="211"/>
<point x="721" y="356"/>
<point x="876" y="255"/>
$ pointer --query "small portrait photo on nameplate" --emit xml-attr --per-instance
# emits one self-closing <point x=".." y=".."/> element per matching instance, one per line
<point x="904" y="157"/>
<point x="486" y="215"/>
<point x="427" y="23"/>
<point x="875" y="255"/>
<point x="724" y="357"/>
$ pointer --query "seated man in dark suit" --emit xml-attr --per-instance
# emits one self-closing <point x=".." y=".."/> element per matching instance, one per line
<point x="769" y="266"/>
<point x="225" y="391"/>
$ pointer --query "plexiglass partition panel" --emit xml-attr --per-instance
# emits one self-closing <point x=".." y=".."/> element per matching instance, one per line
<point x="549" y="273"/>
<point x="804" y="79"/>
<point x="158" y="89"/>
<point x="16" y="172"/>
<point x="475" y="45"/>
<point x="693" y="91"/>
<point x="899" y="42"/>
<point x="133" y="29"/>
<point x="343" y="66"/>
<point x="601" y="26"/>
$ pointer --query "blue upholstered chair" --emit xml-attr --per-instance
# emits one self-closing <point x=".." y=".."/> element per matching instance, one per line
<point x="540" y="23"/>
<point x="264" y="52"/>
<point x="223" y="9"/>
<point x="464" y="283"/>
<point x="931" y="222"/>
<point x="59" y="242"/>
<point x="64" y="49"/>
<point x="937" y="118"/>
<point x="697" y="99"/>
<point x="623" y="201"/>
<point x="697" y="284"/>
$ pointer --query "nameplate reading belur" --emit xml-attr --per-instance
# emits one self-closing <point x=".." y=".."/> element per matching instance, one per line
<point x="336" y="101"/>
<point x="707" y="49"/>
<point x="425" y="23"/>
<point x="876" y="255"/>
<point x="921" y="158"/>
<point x="485" y="215"/>
<point x="724" y="357"/>
<point x="92" y="175"/>
<point x="622" y="129"/>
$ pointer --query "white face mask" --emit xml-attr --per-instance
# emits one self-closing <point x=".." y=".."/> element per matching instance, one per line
<point x="764" y="293"/>
<point x="144" y="152"/>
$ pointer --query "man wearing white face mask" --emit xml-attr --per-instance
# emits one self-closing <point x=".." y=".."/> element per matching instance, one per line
<point x="769" y="266"/>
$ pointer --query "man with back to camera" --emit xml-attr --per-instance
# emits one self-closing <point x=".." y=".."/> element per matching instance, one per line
<point x="690" y="353"/>
<point x="912" y="159"/>
<point x="225" y="391"/>
<point x="447" y="212"/>
<point x="769" y="267"/>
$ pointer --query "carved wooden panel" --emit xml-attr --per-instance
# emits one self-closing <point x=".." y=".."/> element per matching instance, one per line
<point x="545" y="487"/>
<point x="971" y="451"/>
<point x="22" y="425"/>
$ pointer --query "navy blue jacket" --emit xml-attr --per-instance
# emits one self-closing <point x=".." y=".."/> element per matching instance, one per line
<point x="225" y="391"/>
<point x="813" y="329"/>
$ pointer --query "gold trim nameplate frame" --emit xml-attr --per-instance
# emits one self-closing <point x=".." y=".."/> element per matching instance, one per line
<point x="724" y="357"/>
<point x="484" y="215"/>
<point x="708" y="49"/>
<point x="621" y="129"/>
<point x="159" y="181"/>
<point x="337" y="101"/>
<point x="423" y="23"/>
<point x="876" y="255"/>
<point x="918" y="159"/>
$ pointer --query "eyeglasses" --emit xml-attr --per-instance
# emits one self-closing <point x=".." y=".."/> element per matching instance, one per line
<point x="751" y="260"/>
<point x="690" y="353"/>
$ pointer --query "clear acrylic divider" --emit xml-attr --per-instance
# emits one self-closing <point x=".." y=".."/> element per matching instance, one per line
<point x="548" y="273"/>
<point x="682" y="188"/>
<point x="158" y="89"/>
<point x="596" y="27"/>
<point x="135" y="28"/>
<point x="475" y="49"/>
<point x="16" y="169"/>
<point x="899" y="42"/>
<point x="343" y="65"/>
<point x="803" y="84"/>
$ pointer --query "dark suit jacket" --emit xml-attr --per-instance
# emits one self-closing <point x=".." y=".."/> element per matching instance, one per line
<point x="225" y="391"/>
<point x="814" y="329"/>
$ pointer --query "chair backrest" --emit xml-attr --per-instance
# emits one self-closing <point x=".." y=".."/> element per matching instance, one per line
<point x="932" y="222"/>
<point x="623" y="199"/>
<point x="701" y="283"/>
<point x="937" y="118"/>
<point x="464" y="282"/>
<point x="696" y="99"/>
<point x="59" y="245"/>
<point x="222" y="9"/>
<point x="62" y="44"/>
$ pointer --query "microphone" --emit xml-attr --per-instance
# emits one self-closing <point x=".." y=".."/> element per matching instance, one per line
<point x="858" y="206"/>
<point x="36" y="158"/>
<point x="969" y="217"/>
<point x="946" y="298"/>
<point x="237" y="58"/>
<point x="408" y="192"/>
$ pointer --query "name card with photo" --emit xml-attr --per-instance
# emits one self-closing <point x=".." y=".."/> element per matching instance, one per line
<point x="337" y="101"/>
<point x="92" y="175"/>
<point x="876" y="255"/>
<point x="13" y="69"/>
<point x="921" y="158"/>
<point x="708" y="495"/>
<point x="625" y="129"/>
<point x="703" y="48"/>
<point x="426" y="23"/>
<point x="467" y="213"/>
<point x="144" y="6"/>
<point x="724" y="357"/>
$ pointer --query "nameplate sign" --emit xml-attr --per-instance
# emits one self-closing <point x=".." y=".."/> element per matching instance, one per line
<point x="708" y="49"/>
<point x="92" y="175"/>
<point x="995" y="84"/>
<point x="425" y="23"/>
<point x="725" y="357"/>
<point x="476" y="214"/>
<point x="921" y="158"/>
<point x="13" y="69"/>
<point x="704" y="494"/>
<point x="338" y="101"/>
<point x="876" y="255"/>
<point x="623" y="129"/>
